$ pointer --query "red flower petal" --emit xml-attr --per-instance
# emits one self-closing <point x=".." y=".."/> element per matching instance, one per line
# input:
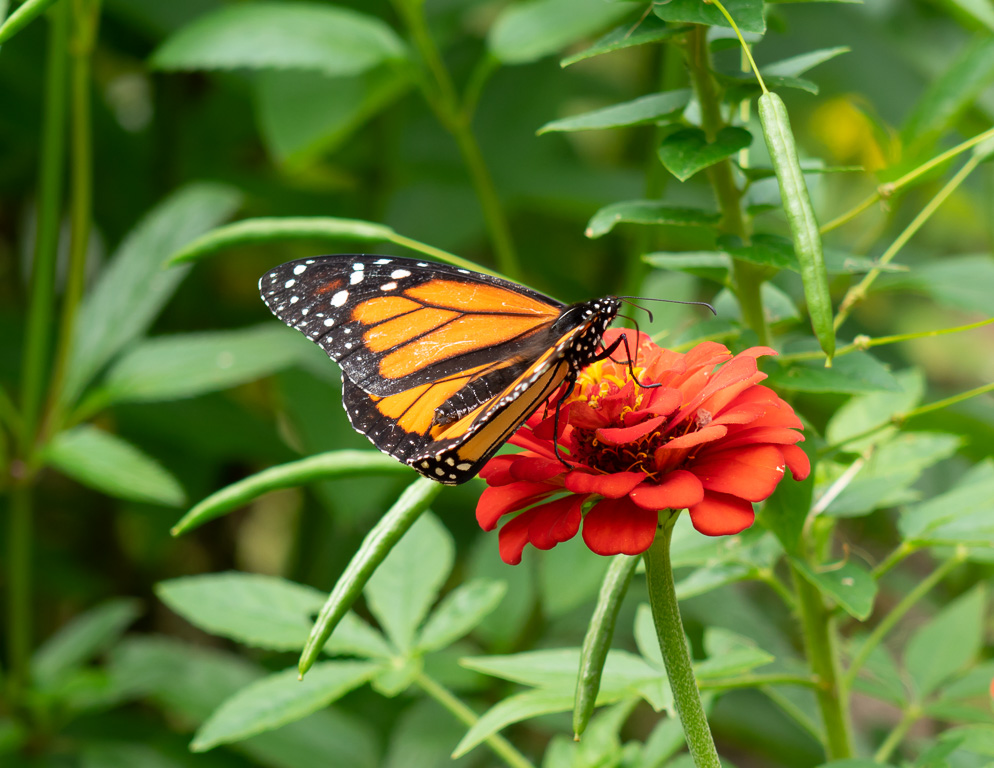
<point x="612" y="486"/>
<point x="678" y="490"/>
<point x="663" y="401"/>
<point x="498" y="501"/>
<point x="512" y="538"/>
<point x="706" y="434"/>
<point x="618" y="527"/>
<point x="622" y="435"/>
<point x="497" y="471"/>
<point x="536" y="469"/>
<point x="797" y="460"/>
<point x="721" y="515"/>
<point x="555" y="522"/>
<point x="749" y="473"/>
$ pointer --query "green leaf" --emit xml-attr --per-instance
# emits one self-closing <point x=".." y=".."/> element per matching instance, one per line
<point x="886" y="478"/>
<point x="134" y="287"/>
<point x="83" y="638"/>
<point x="555" y="670"/>
<point x="863" y="412"/>
<point x="322" y="466"/>
<point x="768" y="251"/>
<point x="513" y="709"/>
<point x="853" y="373"/>
<point x="646" y="109"/>
<point x="980" y="10"/>
<point x="786" y="511"/>
<point x="949" y="642"/>
<point x="953" y="92"/>
<point x="650" y="30"/>
<point x="652" y="212"/>
<point x="372" y="552"/>
<point x="688" y="151"/>
<point x="280" y="699"/>
<point x="748" y="14"/>
<point x="189" y="682"/>
<point x="729" y="654"/>
<point x="305" y="114"/>
<point x="963" y="283"/>
<point x="28" y="11"/>
<point x="778" y="306"/>
<point x="398" y="676"/>
<point x="118" y="754"/>
<point x="423" y="737"/>
<point x="290" y="35"/>
<point x="261" y="611"/>
<point x="113" y="466"/>
<point x="191" y="364"/>
<point x="848" y="584"/>
<point x="798" y="65"/>
<point x="527" y="31"/>
<point x="461" y="610"/>
<point x="407" y="582"/>
<point x="960" y="515"/>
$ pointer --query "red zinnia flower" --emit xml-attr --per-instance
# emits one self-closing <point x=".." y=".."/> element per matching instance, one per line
<point x="711" y="439"/>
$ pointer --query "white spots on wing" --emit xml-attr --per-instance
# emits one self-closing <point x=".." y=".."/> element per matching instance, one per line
<point x="356" y="278"/>
<point x="439" y="471"/>
<point x="464" y="467"/>
<point x="289" y="283"/>
<point x="422" y="264"/>
<point x="383" y="261"/>
<point x="320" y="314"/>
<point x="452" y="477"/>
<point x="397" y="274"/>
<point x="304" y="311"/>
<point x="424" y="465"/>
<point x="464" y="271"/>
<point x="309" y="262"/>
<point x="339" y="299"/>
<point x="358" y="266"/>
<point x="450" y="461"/>
<point x="388" y="287"/>
<point x="294" y="299"/>
<point x="348" y="345"/>
<point x="299" y="269"/>
<point x="328" y="322"/>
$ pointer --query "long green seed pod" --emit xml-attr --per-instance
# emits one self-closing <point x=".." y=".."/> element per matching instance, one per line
<point x="800" y="218"/>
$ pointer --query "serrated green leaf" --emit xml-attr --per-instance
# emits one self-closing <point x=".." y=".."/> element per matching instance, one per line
<point x="527" y="31"/>
<point x="191" y="364"/>
<point x="305" y="114"/>
<point x="291" y="35"/>
<point x="960" y="515"/>
<point x="461" y="610"/>
<point x="650" y="30"/>
<point x="645" y="109"/>
<point x="279" y="699"/>
<point x="81" y="639"/>
<point x="854" y="373"/>
<point x="688" y="151"/>
<point x="113" y="466"/>
<point x="134" y="287"/>
<point x="406" y="584"/>
<point x="848" y="584"/>
<point x="748" y="14"/>
<point x="651" y="212"/>
<point x="949" y="642"/>
<point x="954" y="91"/>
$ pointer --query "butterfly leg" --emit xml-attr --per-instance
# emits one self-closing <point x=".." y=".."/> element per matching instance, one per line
<point x="623" y="339"/>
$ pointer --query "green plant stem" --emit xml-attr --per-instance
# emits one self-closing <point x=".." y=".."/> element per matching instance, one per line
<point x="904" y="549"/>
<point x="673" y="644"/>
<point x="896" y="613"/>
<point x="501" y="746"/>
<point x="85" y="17"/>
<point x="755" y="681"/>
<point x="820" y="640"/>
<point x="50" y="173"/>
<point x="885" y="191"/>
<point x="896" y="736"/>
<point x="441" y="95"/>
<point x="748" y="278"/>
<point x="858" y="292"/>
<point x="18" y="591"/>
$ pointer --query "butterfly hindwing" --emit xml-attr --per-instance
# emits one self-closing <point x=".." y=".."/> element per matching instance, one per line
<point x="440" y="365"/>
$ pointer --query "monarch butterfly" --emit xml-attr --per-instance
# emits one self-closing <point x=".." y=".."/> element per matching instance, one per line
<point x="440" y="365"/>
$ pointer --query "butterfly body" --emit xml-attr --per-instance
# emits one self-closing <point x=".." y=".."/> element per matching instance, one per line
<point x="440" y="365"/>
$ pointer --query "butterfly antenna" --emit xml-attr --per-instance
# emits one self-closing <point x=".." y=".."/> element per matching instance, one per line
<point x="623" y="339"/>
<point x="668" y="301"/>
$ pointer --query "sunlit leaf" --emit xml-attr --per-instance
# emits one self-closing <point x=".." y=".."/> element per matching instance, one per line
<point x="688" y="151"/>
<point x="650" y="30"/>
<point x="645" y="109"/>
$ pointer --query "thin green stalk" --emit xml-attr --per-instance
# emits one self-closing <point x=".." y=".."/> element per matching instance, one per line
<point x="755" y="681"/>
<point x="947" y="401"/>
<point x="85" y="18"/>
<point x="501" y="746"/>
<point x="885" y="191"/>
<point x="896" y="736"/>
<point x="50" y="174"/>
<point x="443" y="98"/>
<point x="896" y="613"/>
<point x="673" y="644"/>
<point x="19" y="630"/>
<point x="748" y="278"/>
<point x="858" y="292"/>
<point x="820" y="640"/>
<point x="903" y="550"/>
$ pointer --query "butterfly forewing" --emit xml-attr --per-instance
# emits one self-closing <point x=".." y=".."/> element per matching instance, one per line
<point x="440" y="365"/>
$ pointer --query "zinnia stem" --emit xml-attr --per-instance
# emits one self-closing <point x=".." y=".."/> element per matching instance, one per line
<point x="673" y="644"/>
